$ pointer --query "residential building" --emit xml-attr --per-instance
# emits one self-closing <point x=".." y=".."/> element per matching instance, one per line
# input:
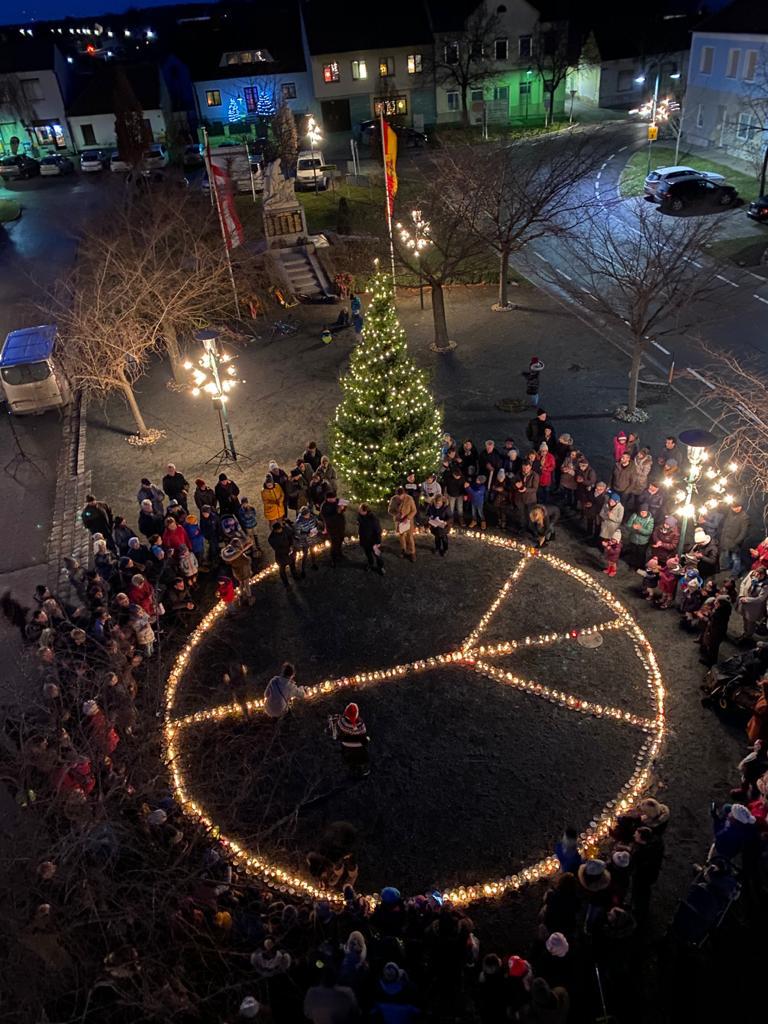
<point x="514" y="49"/>
<point x="35" y="80"/>
<point x="364" y="60"/>
<point x="162" y="91"/>
<point x="726" y="101"/>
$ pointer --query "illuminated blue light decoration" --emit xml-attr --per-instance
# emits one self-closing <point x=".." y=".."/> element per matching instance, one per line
<point x="236" y="111"/>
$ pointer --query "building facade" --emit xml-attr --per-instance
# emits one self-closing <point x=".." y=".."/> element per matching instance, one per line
<point x="34" y="81"/>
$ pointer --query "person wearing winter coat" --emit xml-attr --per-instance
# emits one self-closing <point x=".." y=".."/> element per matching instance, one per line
<point x="438" y="518"/>
<point x="591" y="505"/>
<point x="653" y="496"/>
<point x="174" y="536"/>
<point x="542" y="520"/>
<point x="455" y="491"/>
<point x="477" y="494"/>
<point x="273" y="499"/>
<point x="611" y="516"/>
<point x="149" y="522"/>
<point x="619" y="445"/>
<point x="327" y="472"/>
<point x="150" y="492"/>
<point x="639" y="529"/>
<point x="122" y="533"/>
<point x="195" y="539"/>
<point x="430" y="489"/>
<point x="753" y="595"/>
<point x="642" y="464"/>
<point x="312" y="455"/>
<point x="586" y="478"/>
<point x="296" y="490"/>
<point x="332" y="514"/>
<point x="703" y="553"/>
<point x="535" y="429"/>
<point x="735" y="832"/>
<point x="623" y="476"/>
<point x="96" y="517"/>
<point x="733" y="533"/>
<point x="354" y="739"/>
<point x="281" y="541"/>
<point x="142" y="593"/>
<point x="141" y="626"/>
<point x="664" y="539"/>
<point x="546" y="469"/>
<point x="369" y="532"/>
<point x="104" y="560"/>
<point x="490" y="991"/>
<point x="225" y="589"/>
<point x="715" y="631"/>
<point x="568" y="483"/>
<point x="612" y="552"/>
<point x="281" y="690"/>
<point x="306" y="534"/>
<point x="524" y="492"/>
<point x="757" y="726"/>
<point x="402" y="508"/>
<point x="187" y="566"/>
<point x="227" y="496"/>
<point x="178" y="601"/>
<point x="647" y="854"/>
<point x="470" y="459"/>
<point x="176" y="485"/>
<point x="204" y="495"/>
<point x="211" y="531"/>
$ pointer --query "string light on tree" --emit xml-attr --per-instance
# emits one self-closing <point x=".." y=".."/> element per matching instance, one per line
<point x="416" y="240"/>
<point x="236" y="109"/>
<point x="387" y="422"/>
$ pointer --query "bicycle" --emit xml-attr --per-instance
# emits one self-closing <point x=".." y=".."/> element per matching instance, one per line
<point x="283" y="327"/>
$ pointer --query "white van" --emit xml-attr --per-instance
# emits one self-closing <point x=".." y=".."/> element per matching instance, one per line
<point x="308" y="171"/>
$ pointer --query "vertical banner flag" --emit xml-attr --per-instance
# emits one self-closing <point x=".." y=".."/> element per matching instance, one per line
<point x="230" y="222"/>
<point x="390" y="164"/>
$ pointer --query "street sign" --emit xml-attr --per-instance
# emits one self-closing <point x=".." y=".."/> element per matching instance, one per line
<point x="653" y="132"/>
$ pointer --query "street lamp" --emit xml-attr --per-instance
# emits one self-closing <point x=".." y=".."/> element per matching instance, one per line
<point x="698" y="443"/>
<point x="314" y="135"/>
<point x="215" y="375"/>
<point x="416" y="241"/>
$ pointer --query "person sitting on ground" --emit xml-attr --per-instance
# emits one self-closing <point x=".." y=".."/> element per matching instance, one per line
<point x="280" y="691"/>
<point x="542" y="520"/>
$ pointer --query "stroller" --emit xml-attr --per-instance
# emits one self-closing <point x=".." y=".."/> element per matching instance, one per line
<point x="734" y="682"/>
<point x="710" y="896"/>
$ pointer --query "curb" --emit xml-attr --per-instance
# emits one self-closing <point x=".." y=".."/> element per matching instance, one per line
<point x="73" y="482"/>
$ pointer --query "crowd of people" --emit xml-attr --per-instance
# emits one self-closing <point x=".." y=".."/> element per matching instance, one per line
<point x="397" y="959"/>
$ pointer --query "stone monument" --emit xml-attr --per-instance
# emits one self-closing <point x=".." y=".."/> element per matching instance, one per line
<point x="284" y="219"/>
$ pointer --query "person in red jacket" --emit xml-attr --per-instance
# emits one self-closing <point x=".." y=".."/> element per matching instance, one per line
<point x="225" y="589"/>
<point x="174" y="536"/>
<point x="99" y="729"/>
<point x="760" y="554"/>
<point x="142" y="593"/>
<point x="546" y="464"/>
<point x="612" y="551"/>
<point x="74" y="777"/>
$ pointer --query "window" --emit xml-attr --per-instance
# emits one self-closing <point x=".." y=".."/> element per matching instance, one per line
<point x="476" y="96"/>
<point x="31" y="88"/>
<point x="700" y="116"/>
<point x="707" y="58"/>
<point x="501" y="49"/>
<point x="524" y="46"/>
<point x="251" y="97"/>
<point x="734" y="59"/>
<point x="750" y="65"/>
<point x="525" y="89"/>
<point x="26" y="373"/>
<point x="359" y="70"/>
<point x="414" y="63"/>
<point x="391" y="105"/>
<point x="213" y="98"/>
<point x="501" y="93"/>
<point x="331" y="72"/>
<point x="288" y="90"/>
<point x="89" y="135"/>
<point x="453" y="101"/>
<point x="625" y="80"/>
<point x="386" y="67"/>
<point x="477" y="49"/>
<point x="451" y="53"/>
<point x="744" y="131"/>
<point x="245" y="57"/>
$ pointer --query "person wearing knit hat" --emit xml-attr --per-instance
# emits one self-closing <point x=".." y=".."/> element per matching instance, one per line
<point x="736" y="832"/>
<point x="150" y="522"/>
<point x="249" y="1008"/>
<point x="594" y="876"/>
<point x="519" y="978"/>
<point x="557" y="944"/>
<point x="550" y="1004"/>
<point x="532" y="374"/>
<point x="90" y="708"/>
<point x="354" y="739"/>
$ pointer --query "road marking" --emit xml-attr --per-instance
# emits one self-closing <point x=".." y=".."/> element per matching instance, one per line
<point x="544" y="258"/>
<point x="702" y="379"/>
<point x="603" y="166"/>
<point x="623" y="148"/>
<point x="563" y="273"/>
<point x="731" y="283"/>
<point x="758" y="276"/>
<point x="760" y="299"/>
<point x="693" y="261"/>
<point x="661" y="348"/>
<point x="585" y="290"/>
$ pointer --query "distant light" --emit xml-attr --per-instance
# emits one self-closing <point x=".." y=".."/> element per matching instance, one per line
<point x="676" y="75"/>
<point x="150" y="34"/>
<point x="127" y="32"/>
<point x="110" y="33"/>
<point x="109" y="53"/>
<point x="640" y="79"/>
<point x="70" y="60"/>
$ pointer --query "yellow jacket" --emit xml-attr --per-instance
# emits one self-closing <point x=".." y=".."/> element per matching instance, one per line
<point x="273" y="501"/>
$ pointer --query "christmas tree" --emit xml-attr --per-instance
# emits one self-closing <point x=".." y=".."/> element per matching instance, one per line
<point x="387" y="422"/>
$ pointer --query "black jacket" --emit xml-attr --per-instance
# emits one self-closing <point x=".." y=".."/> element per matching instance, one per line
<point x="174" y="485"/>
<point x="535" y="430"/>
<point x="150" y="524"/>
<point x="369" y="530"/>
<point x="227" y="497"/>
<point x="281" y="542"/>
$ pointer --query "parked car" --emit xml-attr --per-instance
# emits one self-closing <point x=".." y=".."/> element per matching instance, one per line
<point x="666" y="174"/>
<point x="12" y="168"/>
<point x="92" y="160"/>
<point x="677" y="195"/>
<point x="368" y="132"/>
<point x="117" y="163"/>
<point x="55" y="164"/>
<point x="308" y="171"/>
<point x="192" y="155"/>
<point x="758" y="209"/>
<point x="155" y="158"/>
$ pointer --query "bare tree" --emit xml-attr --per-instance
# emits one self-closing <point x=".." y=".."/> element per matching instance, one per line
<point x="522" y="191"/>
<point x="130" y="129"/>
<point x="463" y="61"/>
<point x="156" y="271"/>
<point x="653" y="279"/>
<point x="554" y="58"/>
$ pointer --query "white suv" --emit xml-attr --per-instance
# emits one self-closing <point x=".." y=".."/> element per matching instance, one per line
<point x="308" y="168"/>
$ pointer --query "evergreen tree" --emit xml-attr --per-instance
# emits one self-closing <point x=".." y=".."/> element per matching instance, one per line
<point x="387" y="421"/>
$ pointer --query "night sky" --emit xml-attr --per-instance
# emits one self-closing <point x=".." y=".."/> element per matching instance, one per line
<point x="12" y="11"/>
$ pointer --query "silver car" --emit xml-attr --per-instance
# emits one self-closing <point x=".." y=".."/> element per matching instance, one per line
<point x="676" y="173"/>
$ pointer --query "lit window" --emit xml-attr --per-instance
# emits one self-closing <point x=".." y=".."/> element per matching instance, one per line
<point x="386" y="67"/>
<point x="501" y="49"/>
<point x="213" y="98"/>
<point x="331" y="72"/>
<point x="707" y="59"/>
<point x="734" y="59"/>
<point x="524" y="46"/>
<point x="414" y="63"/>
<point x="359" y="69"/>
<point x="288" y="90"/>
<point x="454" y="99"/>
<point x="390" y="106"/>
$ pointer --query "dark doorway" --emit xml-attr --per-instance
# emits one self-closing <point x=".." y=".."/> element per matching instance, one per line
<point x="336" y="115"/>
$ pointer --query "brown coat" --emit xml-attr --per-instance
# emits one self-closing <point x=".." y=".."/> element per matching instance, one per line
<point x="402" y="507"/>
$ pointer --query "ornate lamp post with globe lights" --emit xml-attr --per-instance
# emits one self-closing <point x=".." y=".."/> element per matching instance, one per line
<point x="215" y="375"/>
<point x="698" y="443"/>
<point x="417" y="240"/>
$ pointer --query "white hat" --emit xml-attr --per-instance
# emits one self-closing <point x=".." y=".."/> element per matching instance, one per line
<point x="742" y="814"/>
<point x="557" y="944"/>
<point x="250" y="1007"/>
<point x="90" y="707"/>
<point x="157" y="817"/>
<point x="620" y="858"/>
<point x="700" y="537"/>
<point x="146" y="505"/>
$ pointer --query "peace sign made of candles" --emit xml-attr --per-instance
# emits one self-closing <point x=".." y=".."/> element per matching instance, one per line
<point x="480" y="658"/>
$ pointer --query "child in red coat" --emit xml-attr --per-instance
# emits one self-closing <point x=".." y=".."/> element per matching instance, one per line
<point x="612" y="551"/>
<point x="225" y="588"/>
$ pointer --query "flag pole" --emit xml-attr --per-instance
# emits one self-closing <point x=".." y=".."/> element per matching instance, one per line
<point x="215" y="190"/>
<point x="387" y="197"/>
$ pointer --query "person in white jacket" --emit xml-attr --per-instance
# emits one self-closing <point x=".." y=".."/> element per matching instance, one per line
<point x="611" y="516"/>
<point x="280" y="691"/>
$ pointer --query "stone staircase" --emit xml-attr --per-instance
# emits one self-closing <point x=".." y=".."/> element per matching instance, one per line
<point x="304" y="274"/>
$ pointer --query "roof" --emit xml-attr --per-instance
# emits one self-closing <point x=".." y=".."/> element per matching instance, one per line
<point x="97" y="94"/>
<point x="28" y="345"/>
<point x="740" y="17"/>
<point x="345" y="27"/>
<point x="617" y="40"/>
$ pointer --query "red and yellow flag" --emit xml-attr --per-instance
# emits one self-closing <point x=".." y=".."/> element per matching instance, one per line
<point x="389" y="142"/>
